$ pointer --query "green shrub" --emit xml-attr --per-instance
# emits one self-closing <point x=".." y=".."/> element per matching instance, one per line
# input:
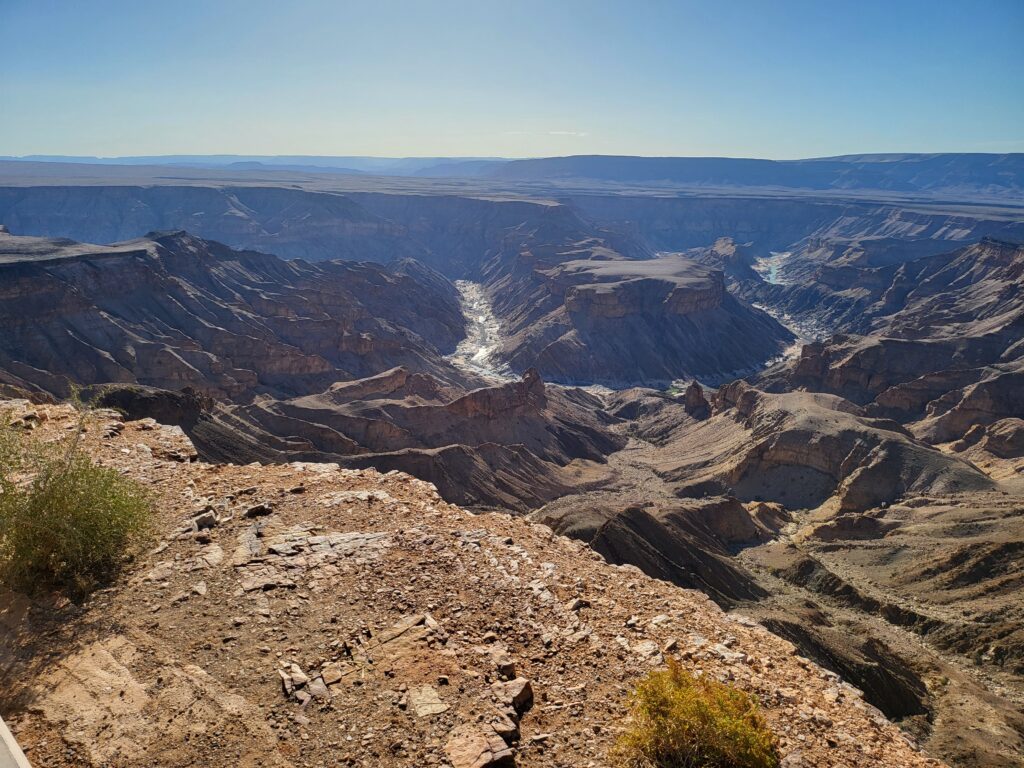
<point x="65" y="522"/>
<point x="681" y="721"/>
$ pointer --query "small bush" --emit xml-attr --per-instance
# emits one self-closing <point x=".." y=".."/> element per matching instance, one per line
<point x="680" y="721"/>
<point x="65" y="522"/>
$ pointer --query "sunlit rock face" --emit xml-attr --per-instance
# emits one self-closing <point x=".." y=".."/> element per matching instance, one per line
<point x="624" y="322"/>
<point x="173" y="310"/>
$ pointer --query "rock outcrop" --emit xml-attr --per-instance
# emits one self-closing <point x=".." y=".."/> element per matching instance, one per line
<point x="999" y="394"/>
<point x="687" y="541"/>
<point x="1005" y="438"/>
<point x="172" y="310"/>
<point x="801" y="449"/>
<point x="581" y="313"/>
<point x="695" y="403"/>
<point x="362" y="620"/>
<point x="515" y="445"/>
<point x="942" y="350"/>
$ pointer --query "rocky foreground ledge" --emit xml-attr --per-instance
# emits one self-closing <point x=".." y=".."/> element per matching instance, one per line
<point x="303" y="615"/>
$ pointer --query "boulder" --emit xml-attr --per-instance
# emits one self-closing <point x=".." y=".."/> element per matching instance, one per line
<point x="477" y="747"/>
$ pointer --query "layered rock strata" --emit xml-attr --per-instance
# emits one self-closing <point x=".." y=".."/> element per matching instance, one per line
<point x="172" y="310"/>
<point x="235" y="644"/>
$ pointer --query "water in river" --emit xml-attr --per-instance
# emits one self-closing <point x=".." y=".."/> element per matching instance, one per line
<point x="769" y="267"/>
<point x="477" y="353"/>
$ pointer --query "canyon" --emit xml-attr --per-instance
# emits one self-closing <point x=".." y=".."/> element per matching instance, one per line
<point x="805" y="401"/>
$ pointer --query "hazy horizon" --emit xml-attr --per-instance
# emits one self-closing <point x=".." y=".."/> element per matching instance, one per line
<point x="230" y="156"/>
<point x="526" y="79"/>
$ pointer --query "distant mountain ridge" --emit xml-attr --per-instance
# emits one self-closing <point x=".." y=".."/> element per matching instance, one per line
<point x="343" y="164"/>
<point x="996" y="175"/>
<point x="962" y="173"/>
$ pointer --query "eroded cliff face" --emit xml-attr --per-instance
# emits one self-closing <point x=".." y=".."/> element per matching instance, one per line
<point x="172" y="310"/>
<point x="514" y="446"/>
<point x="997" y="396"/>
<point x="517" y="247"/>
<point x="801" y="450"/>
<point x="948" y="294"/>
<point x="688" y="542"/>
<point x="573" y="307"/>
<point x="509" y="244"/>
<point x="942" y="350"/>
<point x="462" y="234"/>
<point x="290" y="223"/>
<point x="778" y="224"/>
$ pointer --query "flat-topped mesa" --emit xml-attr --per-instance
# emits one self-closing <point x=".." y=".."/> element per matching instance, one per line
<point x="665" y="286"/>
<point x="619" y="322"/>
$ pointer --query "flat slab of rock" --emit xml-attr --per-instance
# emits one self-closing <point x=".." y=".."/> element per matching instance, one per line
<point x="425" y="701"/>
<point x="477" y="747"/>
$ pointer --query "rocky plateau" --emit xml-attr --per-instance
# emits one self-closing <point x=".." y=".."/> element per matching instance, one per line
<point x="778" y="435"/>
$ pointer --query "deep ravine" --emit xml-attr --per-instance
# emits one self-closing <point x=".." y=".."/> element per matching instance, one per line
<point x="477" y="353"/>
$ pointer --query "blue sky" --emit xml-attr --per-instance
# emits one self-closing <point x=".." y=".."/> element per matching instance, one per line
<point x="768" y="78"/>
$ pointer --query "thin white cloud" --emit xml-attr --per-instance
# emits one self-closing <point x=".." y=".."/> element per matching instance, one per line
<point x="546" y="133"/>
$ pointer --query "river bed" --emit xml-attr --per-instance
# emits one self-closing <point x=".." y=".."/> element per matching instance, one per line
<point x="477" y="353"/>
<point x="770" y="267"/>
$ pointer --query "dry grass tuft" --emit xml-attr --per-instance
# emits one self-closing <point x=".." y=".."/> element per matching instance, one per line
<point x="681" y="721"/>
<point x="65" y="522"/>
